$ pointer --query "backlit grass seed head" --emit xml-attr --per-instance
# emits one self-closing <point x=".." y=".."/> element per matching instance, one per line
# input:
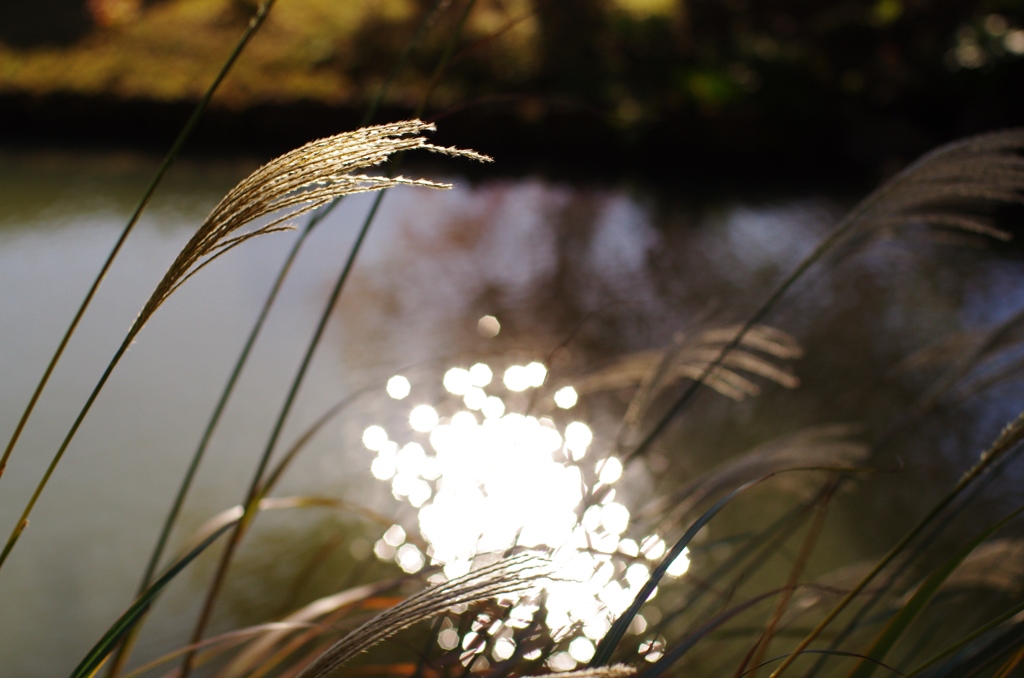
<point x="613" y="671"/>
<point x="517" y="574"/>
<point x="953" y="187"/>
<point x="653" y="371"/>
<point x="297" y="182"/>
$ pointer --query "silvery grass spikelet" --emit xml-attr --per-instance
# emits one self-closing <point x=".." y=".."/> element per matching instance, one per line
<point x="517" y="574"/>
<point x="613" y="671"/>
<point x="297" y="182"/>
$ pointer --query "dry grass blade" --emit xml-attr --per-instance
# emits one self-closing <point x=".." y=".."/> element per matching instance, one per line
<point x="1011" y="436"/>
<point x="830" y="588"/>
<point x="254" y="655"/>
<point x="997" y="565"/>
<point x="295" y="183"/>
<point x="613" y="671"/>
<point x="965" y="350"/>
<point x="216" y="645"/>
<point x="517" y="574"/>
<point x="651" y="372"/>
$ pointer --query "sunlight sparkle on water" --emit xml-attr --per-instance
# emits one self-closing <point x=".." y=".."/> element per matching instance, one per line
<point x="577" y="439"/>
<point x="398" y="387"/>
<point x="488" y="327"/>
<point x="480" y="375"/>
<point x="516" y="378"/>
<point x="457" y="381"/>
<point x="475" y="398"/>
<point x="536" y="373"/>
<point x="486" y="477"/>
<point x="423" y="418"/>
<point x="493" y="407"/>
<point x="566" y="397"/>
<point x="375" y="437"/>
<point x="609" y="470"/>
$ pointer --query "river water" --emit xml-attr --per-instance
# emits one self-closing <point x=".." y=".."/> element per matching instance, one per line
<point x="490" y="275"/>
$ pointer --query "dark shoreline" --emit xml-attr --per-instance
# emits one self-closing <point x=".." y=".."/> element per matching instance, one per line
<point x="562" y="142"/>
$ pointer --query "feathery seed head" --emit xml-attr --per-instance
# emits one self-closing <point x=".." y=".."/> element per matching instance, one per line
<point x="297" y="182"/>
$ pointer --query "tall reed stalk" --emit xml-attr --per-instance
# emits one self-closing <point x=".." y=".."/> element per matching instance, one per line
<point x="254" y="24"/>
<point x="124" y="650"/>
<point x="257" y="328"/>
<point x="255" y="491"/>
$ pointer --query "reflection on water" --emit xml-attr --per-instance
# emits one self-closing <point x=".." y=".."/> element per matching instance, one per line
<point x="506" y="470"/>
<point x="469" y="317"/>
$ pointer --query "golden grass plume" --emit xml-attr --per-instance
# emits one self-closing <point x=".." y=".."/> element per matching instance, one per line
<point x="297" y="182"/>
<point x="516" y="574"/>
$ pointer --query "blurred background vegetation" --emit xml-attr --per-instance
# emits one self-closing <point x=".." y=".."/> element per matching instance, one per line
<point x="719" y="90"/>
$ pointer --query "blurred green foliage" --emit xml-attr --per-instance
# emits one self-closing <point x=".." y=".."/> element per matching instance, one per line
<point x="910" y="72"/>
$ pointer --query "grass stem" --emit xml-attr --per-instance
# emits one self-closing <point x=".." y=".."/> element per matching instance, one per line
<point x="256" y="487"/>
<point x="254" y="24"/>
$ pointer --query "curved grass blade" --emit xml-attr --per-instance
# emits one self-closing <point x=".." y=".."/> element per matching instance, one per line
<point x="95" y="658"/>
<point x="517" y="574"/>
<point x="293" y="184"/>
<point x="254" y="24"/>
<point x="828" y="445"/>
<point x="985" y="655"/>
<point x="676" y="653"/>
<point x="966" y="640"/>
<point x="757" y="549"/>
<point x="1010" y="665"/>
<point x="937" y="189"/>
<point x="243" y="357"/>
<point x="1008" y="440"/>
<point x="225" y="641"/>
<point x="254" y="491"/>
<point x="901" y="564"/>
<point x="257" y="327"/>
<point x="607" y="646"/>
<point x="899" y="624"/>
<point x="613" y="671"/>
<point x="254" y="658"/>
<point x="760" y="648"/>
<point x="611" y="640"/>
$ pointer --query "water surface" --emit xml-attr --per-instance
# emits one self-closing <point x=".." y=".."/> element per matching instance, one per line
<point x="575" y="275"/>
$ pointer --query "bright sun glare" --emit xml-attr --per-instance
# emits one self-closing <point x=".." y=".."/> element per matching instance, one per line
<point x="488" y="477"/>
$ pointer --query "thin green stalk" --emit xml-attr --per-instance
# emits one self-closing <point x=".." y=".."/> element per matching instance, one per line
<point x="172" y="517"/>
<point x="1008" y="439"/>
<point x="22" y="523"/>
<point x="252" y="498"/>
<point x="760" y="648"/>
<point x="254" y="493"/>
<point x="186" y="132"/>
<point x="260" y="320"/>
<point x="93" y="661"/>
<point x="218" y="410"/>
<point x="124" y="651"/>
<point x="924" y="594"/>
